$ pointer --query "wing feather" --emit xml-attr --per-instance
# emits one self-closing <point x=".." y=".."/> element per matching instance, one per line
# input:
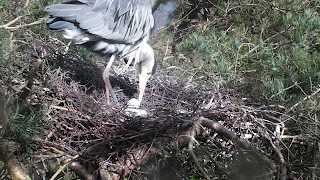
<point x="66" y="11"/>
<point x="123" y="21"/>
<point x="104" y="26"/>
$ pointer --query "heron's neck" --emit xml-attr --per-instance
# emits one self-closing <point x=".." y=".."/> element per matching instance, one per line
<point x="146" y="53"/>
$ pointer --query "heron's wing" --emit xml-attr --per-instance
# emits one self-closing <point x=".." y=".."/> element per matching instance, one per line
<point x="121" y="21"/>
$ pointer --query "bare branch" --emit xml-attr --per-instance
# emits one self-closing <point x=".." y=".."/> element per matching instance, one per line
<point x="63" y="167"/>
<point x="7" y="26"/>
<point x="283" y="163"/>
<point x="303" y="100"/>
<point x="224" y="131"/>
<point x="190" y="148"/>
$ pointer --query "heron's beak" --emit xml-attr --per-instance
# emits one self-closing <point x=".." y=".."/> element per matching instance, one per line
<point x="143" y="79"/>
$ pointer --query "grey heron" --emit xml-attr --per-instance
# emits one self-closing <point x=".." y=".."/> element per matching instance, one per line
<point x="115" y="29"/>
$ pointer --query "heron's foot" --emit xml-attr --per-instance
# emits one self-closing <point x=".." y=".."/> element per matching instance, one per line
<point x="133" y="109"/>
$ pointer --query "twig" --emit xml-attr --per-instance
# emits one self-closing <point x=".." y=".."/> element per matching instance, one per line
<point x="190" y="148"/>
<point x="257" y="46"/>
<point x="7" y="26"/>
<point x="26" y="4"/>
<point x="71" y="110"/>
<point x="11" y="22"/>
<point x="304" y="99"/>
<point x="282" y="161"/>
<point x="283" y="90"/>
<point x="63" y="167"/>
<point x="13" y="41"/>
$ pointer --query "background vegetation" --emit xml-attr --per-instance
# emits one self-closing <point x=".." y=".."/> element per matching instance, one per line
<point x="268" y="48"/>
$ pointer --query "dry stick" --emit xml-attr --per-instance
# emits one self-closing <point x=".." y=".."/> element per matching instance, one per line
<point x="71" y="110"/>
<point x="75" y="166"/>
<point x="304" y="99"/>
<point x="26" y="4"/>
<point x="190" y="148"/>
<point x="277" y="149"/>
<point x="63" y="167"/>
<point x="31" y="76"/>
<point x="224" y="131"/>
<point x="256" y="47"/>
<point x="283" y="167"/>
<point x="283" y="90"/>
<point x="11" y="22"/>
<point x="7" y="26"/>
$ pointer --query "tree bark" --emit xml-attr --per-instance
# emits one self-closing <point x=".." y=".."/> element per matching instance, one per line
<point x="17" y="172"/>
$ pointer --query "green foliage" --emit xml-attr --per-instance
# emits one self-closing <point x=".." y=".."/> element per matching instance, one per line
<point x="25" y="121"/>
<point x="3" y="4"/>
<point x="25" y="124"/>
<point x="28" y="13"/>
<point x="265" y="47"/>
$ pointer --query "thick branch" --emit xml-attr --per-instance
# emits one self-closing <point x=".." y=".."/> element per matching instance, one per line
<point x="224" y="131"/>
<point x="12" y="164"/>
<point x="184" y="137"/>
<point x="80" y="171"/>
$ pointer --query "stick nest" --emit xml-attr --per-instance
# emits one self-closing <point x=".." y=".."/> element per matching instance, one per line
<point x="83" y="128"/>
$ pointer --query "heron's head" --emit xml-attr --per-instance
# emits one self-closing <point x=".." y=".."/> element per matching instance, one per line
<point x="146" y="68"/>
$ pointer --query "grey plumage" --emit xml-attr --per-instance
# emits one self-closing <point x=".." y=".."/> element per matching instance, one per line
<point x="112" y="21"/>
<point x="114" y="29"/>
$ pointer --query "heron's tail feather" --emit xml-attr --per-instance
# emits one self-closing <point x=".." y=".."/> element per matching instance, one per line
<point x="57" y="24"/>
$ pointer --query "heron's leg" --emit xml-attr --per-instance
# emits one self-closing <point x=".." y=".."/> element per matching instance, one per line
<point x="137" y="58"/>
<point x="105" y="76"/>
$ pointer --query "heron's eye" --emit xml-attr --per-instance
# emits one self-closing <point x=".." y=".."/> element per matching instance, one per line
<point x="149" y="73"/>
